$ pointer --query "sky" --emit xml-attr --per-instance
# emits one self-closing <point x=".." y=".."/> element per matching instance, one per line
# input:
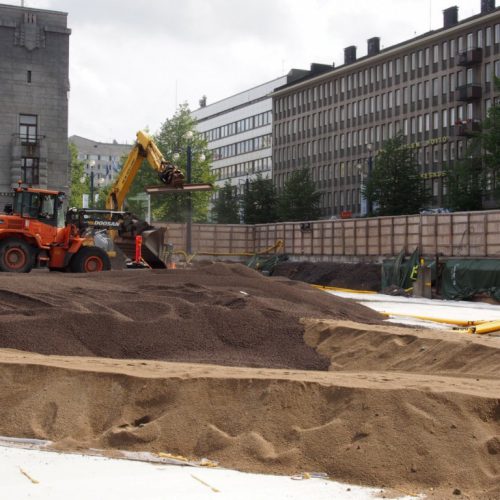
<point x="133" y="62"/>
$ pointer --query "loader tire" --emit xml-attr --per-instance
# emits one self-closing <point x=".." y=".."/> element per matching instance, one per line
<point x="90" y="260"/>
<point x="16" y="256"/>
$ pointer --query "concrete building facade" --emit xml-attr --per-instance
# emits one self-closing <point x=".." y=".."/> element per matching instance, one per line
<point x="104" y="159"/>
<point x="435" y="89"/>
<point x="34" y="85"/>
<point x="238" y="131"/>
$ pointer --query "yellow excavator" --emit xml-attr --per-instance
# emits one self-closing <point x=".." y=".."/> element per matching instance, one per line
<point x="123" y="225"/>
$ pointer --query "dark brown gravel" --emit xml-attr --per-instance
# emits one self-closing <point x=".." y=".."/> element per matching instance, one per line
<point x="360" y="276"/>
<point x="223" y="314"/>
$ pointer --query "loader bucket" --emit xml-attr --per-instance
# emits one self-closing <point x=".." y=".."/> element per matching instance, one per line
<point x="153" y="247"/>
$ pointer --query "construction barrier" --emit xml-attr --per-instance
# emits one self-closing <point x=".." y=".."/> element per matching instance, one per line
<point x="461" y="234"/>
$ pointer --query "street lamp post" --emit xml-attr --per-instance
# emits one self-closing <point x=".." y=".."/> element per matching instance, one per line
<point x="370" y="165"/>
<point x="91" y="165"/>
<point x="189" y="205"/>
<point x="189" y="159"/>
<point x="362" y="199"/>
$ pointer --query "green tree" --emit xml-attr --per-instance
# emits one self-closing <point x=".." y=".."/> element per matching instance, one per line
<point x="395" y="186"/>
<point x="472" y="179"/>
<point x="299" y="199"/>
<point x="259" y="201"/>
<point x="226" y="208"/>
<point x="465" y="185"/>
<point x="77" y="174"/>
<point x="173" y="138"/>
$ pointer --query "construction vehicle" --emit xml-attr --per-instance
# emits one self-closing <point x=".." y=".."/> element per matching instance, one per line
<point x="35" y="233"/>
<point x="172" y="181"/>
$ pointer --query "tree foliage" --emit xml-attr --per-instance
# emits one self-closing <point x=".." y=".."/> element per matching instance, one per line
<point x="172" y="138"/>
<point x="259" y="201"/>
<point x="227" y="209"/>
<point x="465" y="181"/>
<point x="471" y="178"/>
<point x="77" y="174"/>
<point x="395" y="186"/>
<point x="299" y="200"/>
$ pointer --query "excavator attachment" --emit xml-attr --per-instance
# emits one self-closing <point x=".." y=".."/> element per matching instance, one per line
<point x="180" y="188"/>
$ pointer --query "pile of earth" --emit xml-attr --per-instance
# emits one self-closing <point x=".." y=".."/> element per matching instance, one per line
<point x="410" y="409"/>
<point x="223" y="314"/>
<point x="360" y="276"/>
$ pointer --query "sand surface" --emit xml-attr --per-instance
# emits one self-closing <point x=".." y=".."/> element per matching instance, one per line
<point x="240" y="378"/>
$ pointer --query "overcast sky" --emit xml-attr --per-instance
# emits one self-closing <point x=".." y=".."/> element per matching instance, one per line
<point x="133" y="62"/>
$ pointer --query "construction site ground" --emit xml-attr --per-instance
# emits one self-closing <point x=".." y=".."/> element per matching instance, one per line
<point x="257" y="374"/>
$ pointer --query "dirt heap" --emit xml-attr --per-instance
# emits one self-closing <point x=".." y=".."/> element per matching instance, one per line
<point x="415" y="410"/>
<point x="223" y="314"/>
<point x="360" y="276"/>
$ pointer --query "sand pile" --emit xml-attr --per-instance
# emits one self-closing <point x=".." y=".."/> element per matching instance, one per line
<point x="410" y="409"/>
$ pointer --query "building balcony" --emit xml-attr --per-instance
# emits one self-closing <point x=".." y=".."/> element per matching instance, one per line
<point x="28" y="145"/>
<point x="468" y="92"/>
<point x="467" y="128"/>
<point x="469" y="57"/>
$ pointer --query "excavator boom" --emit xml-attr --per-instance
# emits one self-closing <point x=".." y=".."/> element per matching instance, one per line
<point x="144" y="149"/>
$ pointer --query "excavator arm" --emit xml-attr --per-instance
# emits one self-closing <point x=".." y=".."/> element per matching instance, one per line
<point x="144" y="149"/>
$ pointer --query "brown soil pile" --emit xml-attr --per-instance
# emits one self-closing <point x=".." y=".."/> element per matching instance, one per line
<point x="361" y="276"/>
<point x="410" y="409"/>
<point x="223" y="314"/>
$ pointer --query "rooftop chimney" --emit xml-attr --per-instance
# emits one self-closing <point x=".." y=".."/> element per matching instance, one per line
<point x="487" y="6"/>
<point x="373" y="46"/>
<point x="450" y="17"/>
<point x="317" y="68"/>
<point x="350" y="54"/>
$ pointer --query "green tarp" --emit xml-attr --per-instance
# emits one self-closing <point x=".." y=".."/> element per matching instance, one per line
<point x="400" y="272"/>
<point x="464" y="278"/>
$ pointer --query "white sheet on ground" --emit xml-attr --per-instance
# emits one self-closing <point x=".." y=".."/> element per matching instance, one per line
<point x="38" y="474"/>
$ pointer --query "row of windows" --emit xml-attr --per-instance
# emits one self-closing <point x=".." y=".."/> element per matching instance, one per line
<point x="438" y="120"/>
<point x="242" y="147"/>
<point x="239" y="126"/>
<point x="383" y="102"/>
<point x="83" y="156"/>
<point x="455" y="115"/>
<point x="429" y="158"/>
<point x="381" y="72"/>
<point x="244" y="168"/>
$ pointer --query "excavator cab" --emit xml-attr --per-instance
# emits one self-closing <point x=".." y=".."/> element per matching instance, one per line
<point x="45" y="206"/>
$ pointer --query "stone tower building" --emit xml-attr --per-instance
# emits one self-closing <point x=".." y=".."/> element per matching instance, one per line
<point x="34" y="85"/>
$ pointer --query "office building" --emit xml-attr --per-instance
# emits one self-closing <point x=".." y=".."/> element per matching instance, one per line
<point x="103" y="159"/>
<point x="435" y="89"/>
<point x="238" y="131"/>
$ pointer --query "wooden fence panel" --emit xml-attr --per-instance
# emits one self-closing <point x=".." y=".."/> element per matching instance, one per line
<point x="464" y="234"/>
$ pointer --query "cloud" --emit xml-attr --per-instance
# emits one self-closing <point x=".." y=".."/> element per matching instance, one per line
<point x="132" y="62"/>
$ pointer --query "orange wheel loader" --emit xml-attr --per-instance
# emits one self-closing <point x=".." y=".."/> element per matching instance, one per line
<point x="34" y="232"/>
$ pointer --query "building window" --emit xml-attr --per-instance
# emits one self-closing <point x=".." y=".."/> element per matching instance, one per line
<point x="29" y="168"/>
<point x="28" y="129"/>
<point x="497" y="33"/>
<point x="444" y="84"/>
<point x="445" y="51"/>
<point x="488" y="36"/>
<point x="480" y="38"/>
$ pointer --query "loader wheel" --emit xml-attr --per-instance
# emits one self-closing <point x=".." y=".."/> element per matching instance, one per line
<point x="16" y="256"/>
<point x="90" y="260"/>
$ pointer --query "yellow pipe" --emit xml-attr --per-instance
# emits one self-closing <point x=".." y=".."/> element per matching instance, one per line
<point x="458" y="322"/>
<point x="488" y="327"/>
<point x="336" y="289"/>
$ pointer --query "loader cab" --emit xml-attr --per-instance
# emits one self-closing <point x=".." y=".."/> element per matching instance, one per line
<point x="45" y="206"/>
